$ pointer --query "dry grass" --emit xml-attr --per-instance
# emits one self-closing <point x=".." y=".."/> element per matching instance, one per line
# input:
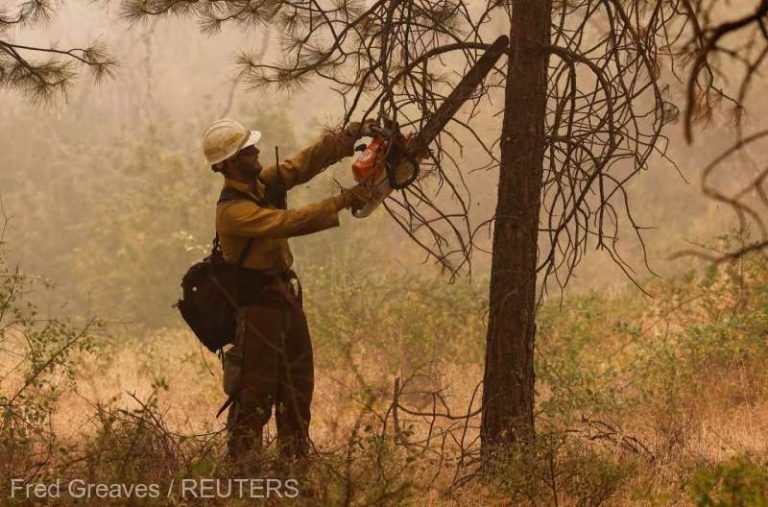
<point x="640" y="402"/>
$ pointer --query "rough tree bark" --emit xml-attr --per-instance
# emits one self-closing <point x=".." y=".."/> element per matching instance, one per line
<point x="507" y="415"/>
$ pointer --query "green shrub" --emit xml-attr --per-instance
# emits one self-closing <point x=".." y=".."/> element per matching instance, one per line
<point x="559" y="469"/>
<point x="37" y="365"/>
<point x="739" y="482"/>
<point x="405" y="321"/>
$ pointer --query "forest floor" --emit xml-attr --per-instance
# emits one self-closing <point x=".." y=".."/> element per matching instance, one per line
<point x="640" y="401"/>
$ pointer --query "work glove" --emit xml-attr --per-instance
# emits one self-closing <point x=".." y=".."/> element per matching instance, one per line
<point x="354" y="198"/>
<point x="345" y="138"/>
<point x="365" y="129"/>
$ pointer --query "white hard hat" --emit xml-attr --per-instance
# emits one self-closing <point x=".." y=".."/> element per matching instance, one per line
<point x="224" y="138"/>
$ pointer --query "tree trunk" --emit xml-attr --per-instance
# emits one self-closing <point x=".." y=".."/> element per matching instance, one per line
<point x="507" y="416"/>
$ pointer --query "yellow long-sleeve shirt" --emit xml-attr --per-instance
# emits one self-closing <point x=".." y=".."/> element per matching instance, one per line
<point x="237" y="221"/>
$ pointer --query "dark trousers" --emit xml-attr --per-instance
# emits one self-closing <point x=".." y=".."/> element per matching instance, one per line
<point x="277" y="373"/>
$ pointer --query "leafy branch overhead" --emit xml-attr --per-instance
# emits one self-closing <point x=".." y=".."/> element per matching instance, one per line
<point x="42" y="73"/>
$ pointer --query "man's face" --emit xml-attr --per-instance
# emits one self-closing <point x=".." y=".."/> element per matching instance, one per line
<point x="247" y="161"/>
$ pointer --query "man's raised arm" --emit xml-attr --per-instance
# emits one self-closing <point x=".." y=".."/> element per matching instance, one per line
<point x="311" y="161"/>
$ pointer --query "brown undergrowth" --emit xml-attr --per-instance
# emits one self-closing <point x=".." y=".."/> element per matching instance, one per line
<point x="646" y="402"/>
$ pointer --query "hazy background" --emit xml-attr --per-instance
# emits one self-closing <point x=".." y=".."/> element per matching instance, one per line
<point x="639" y="401"/>
<point x="109" y="196"/>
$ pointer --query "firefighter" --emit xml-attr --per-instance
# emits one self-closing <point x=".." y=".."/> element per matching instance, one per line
<point x="270" y="367"/>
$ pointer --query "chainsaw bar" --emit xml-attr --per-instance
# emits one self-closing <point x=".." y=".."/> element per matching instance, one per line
<point x="402" y="164"/>
<point x="465" y="88"/>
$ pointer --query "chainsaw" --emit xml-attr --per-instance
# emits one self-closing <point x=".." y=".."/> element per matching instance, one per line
<point x="391" y="160"/>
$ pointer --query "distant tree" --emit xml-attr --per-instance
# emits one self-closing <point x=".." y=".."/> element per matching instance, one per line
<point x="729" y="46"/>
<point x="22" y="70"/>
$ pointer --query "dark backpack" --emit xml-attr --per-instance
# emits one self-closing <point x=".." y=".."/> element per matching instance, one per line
<point x="209" y="301"/>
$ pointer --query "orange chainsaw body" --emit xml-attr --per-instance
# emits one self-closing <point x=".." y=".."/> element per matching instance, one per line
<point x="370" y="170"/>
<point x="370" y="165"/>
